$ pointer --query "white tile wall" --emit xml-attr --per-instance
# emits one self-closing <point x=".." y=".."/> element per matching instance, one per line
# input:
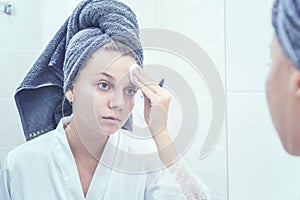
<point x="21" y="30"/>
<point x="259" y="168"/>
<point x="11" y="132"/>
<point x="248" y="35"/>
<point x="149" y="13"/>
<point x="20" y="44"/>
<point x="54" y="14"/>
<point x="213" y="169"/>
<point x="189" y="18"/>
<point x="200" y="20"/>
<point x="15" y="64"/>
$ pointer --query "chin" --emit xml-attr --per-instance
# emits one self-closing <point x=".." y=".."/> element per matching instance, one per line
<point x="291" y="149"/>
<point x="107" y="131"/>
<point x="291" y="144"/>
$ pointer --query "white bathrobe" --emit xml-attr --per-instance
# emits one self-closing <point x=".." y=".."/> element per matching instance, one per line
<point x="44" y="168"/>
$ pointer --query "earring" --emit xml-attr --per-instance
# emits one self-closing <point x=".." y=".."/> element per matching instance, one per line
<point x="71" y="98"/>
<point x="69" y="95"/>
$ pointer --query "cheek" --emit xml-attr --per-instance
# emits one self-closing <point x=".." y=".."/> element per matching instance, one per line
<point x="87" y="100"/>
<point x="131" y="104"/>
<point x="269" y="85"/>
<point x="101" y="101"/>
<point x="280" y="101"/>
<point x="274" y="98"/>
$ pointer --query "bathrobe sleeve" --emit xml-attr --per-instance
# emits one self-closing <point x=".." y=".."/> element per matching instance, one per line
<point x="162" y="186"/>
<point x="4" y="182"/>
<point x="192" y="187"/>
<point x="177" y="182"/>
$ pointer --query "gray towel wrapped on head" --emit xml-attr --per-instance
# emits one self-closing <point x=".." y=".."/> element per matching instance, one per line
<point x="286" y="23"/>
<point x="94" y="23"/>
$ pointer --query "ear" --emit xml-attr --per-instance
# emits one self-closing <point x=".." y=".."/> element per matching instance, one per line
<point x="70" y="94"/>
<point x="295" y="82"/>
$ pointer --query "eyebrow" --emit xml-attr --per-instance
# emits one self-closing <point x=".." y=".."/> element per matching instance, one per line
<point x="111" y="77"/>
<point x="106" y="74"/>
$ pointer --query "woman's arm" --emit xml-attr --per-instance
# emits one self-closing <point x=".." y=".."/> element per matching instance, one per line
<point x="190" y="184"/>
<point x="156" y="106"/>
<point x="162" y="186"/>
<point x="176" y="182"/>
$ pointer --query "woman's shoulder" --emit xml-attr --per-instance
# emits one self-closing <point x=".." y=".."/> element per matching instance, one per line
<point x="35" y="147"/>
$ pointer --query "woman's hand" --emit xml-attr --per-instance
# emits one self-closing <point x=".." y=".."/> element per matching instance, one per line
<point x="156" y="108"/>
<point x="156" y="102"/>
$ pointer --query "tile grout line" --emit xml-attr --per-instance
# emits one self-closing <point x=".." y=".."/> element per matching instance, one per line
<point x="226" y="93"/>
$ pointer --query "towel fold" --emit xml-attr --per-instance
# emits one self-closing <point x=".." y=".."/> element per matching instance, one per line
<point x="40" y="97"/>
<point x="286" y="23"/>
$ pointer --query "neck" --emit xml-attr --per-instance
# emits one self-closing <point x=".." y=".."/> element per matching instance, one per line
<point x="84" y="142"/>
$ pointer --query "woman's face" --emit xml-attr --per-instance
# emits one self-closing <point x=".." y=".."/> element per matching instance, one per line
<point x="282" y="90"/>
<point x="103" y="94"/>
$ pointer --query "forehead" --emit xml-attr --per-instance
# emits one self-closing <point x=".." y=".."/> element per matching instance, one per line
<point x="107" y="61"/>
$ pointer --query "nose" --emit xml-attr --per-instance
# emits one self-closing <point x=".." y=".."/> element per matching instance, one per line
<point x="117" y="100"/>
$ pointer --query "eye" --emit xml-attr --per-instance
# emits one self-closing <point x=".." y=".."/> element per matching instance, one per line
<point x="130" y="91"/>
<point x="104" y="86"/>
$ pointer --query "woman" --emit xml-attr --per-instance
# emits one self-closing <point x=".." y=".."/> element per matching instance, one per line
<point x="283" y="83"/>
<point x="81" y="157"/>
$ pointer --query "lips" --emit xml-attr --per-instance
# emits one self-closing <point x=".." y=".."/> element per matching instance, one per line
<point x="112" y="118"/>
